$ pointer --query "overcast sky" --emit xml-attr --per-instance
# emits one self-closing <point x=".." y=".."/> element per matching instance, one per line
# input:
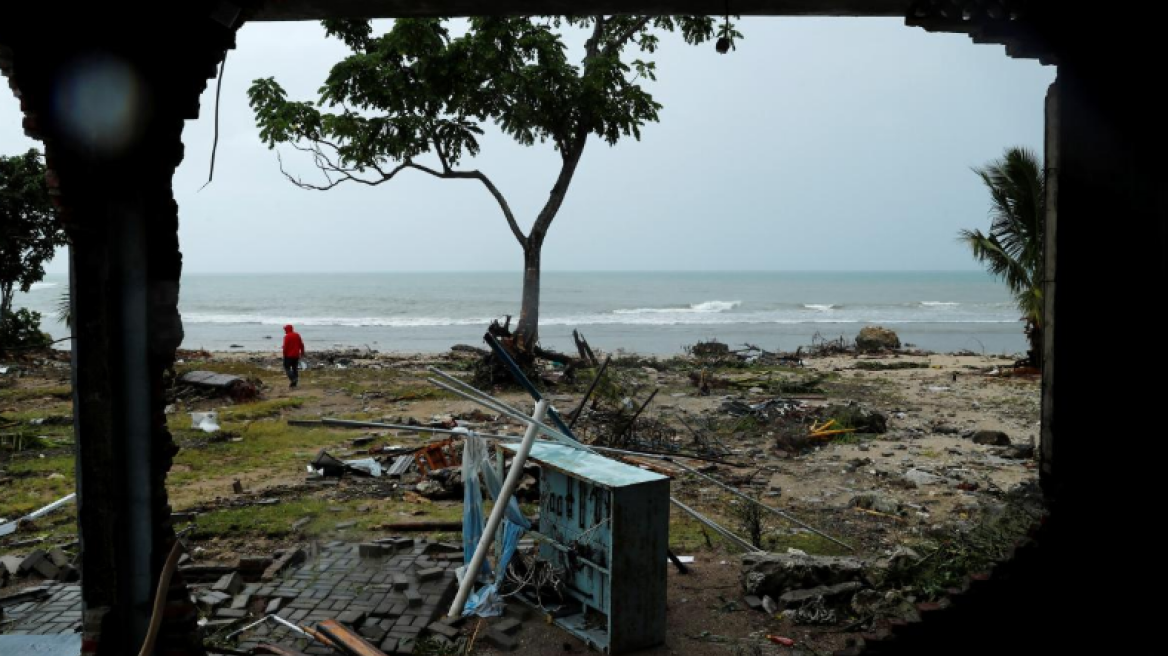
<point x="819" y="144"/>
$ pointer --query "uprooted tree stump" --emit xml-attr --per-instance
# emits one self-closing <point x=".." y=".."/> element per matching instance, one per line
<point x="491" y="371"/>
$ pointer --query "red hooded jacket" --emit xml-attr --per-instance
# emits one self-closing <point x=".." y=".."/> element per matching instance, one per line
<point x="293" y="345"/>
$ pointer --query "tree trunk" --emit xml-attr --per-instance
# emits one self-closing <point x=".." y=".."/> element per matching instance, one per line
<point x="1034" y="336"/>
<point x="527" y="330"/>
<point x="7" y="293"/>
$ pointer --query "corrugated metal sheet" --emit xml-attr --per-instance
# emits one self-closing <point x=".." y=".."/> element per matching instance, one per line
<point x="401" y="465"/>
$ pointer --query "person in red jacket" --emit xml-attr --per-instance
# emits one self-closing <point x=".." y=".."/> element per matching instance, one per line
<point x="293" y="351"/>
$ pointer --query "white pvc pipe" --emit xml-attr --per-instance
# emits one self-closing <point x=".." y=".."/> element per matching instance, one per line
<point x="488" y="536"/>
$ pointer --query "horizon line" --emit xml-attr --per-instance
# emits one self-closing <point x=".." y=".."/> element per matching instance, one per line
<point x="600" y="271"/>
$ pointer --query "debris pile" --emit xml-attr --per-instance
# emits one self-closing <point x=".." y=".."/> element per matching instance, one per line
<point x="207" y="384"/>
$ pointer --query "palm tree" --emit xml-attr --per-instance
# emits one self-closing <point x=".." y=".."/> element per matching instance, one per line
<point x="1013" y="249"/>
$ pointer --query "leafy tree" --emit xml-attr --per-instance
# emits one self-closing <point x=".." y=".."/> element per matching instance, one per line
<point x="1013" y="249"/>
<point x="29" y="233"/>
<point x="417" y="91"/>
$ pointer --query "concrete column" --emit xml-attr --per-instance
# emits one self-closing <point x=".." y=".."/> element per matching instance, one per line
<point x="108" y="95"/>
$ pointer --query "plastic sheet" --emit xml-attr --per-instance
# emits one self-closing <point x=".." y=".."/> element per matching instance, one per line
<point x="367" y="465"/>
<point x="485" y="602"/>
<point x="206" y="421"/>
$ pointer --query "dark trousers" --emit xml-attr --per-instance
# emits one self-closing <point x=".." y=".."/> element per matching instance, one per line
<point x="292" y="368"/>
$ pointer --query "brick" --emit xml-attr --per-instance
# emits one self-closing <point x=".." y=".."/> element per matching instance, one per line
<point x="287" y="559"/>
<point x="443" y="629"/>
<point x="407" y="630"/>
<point x="413" y="598"/>
<point x="230" y="613"/>
<point x="430" y="573"/>
<point x="30" y="561"/>
<point x="58" y="557"/>
<point x="351" y="617"/>
<point x="372" y="550"/>
<point x="501" y="641"/>
<point x="240" y="601"/>
<point x="46" y="568"/>
<point x="273" y="606"/>
<point x="373" y="633"/>
<point x="208" y="602"/>
<point x="229" y="583"/>
<point x="389" y="645"/>
<point x="508" y="626"/>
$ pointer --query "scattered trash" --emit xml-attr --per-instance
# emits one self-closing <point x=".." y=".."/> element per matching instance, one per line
<point x="769" y="605"/>
<point x="220" y="385"/>
<point x="208" y="422"/>
<point x="921" y="477"/>
<point x="368" y="466"/>
<point x="326" y="465"/>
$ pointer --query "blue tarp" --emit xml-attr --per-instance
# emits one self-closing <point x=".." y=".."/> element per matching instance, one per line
<point x="485" y="601"/>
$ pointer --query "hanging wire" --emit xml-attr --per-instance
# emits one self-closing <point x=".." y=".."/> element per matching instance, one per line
<point x="215" y="143"/>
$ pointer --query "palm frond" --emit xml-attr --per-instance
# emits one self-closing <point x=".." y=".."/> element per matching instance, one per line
<point x="1013" y="247"/>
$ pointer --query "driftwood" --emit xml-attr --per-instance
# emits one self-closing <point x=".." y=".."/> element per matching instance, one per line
<point x="585" y="350"/>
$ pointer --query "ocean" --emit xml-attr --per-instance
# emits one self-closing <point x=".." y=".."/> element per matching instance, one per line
<point x="652" y="313"/>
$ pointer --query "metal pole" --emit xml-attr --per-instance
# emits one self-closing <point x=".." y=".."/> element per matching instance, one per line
<point x="587" y="395"/>
<point x="519" y="376"/>
<point x="514" y="414"/>
<point x="758" y="503"/>
<point x="718" y="528"/>
<point x="349" y="423"/>
<point x="509" y="485"/>
<point x="629" y="426"/>
<point x="729" y="489"/>
<point x="471" y="393"/>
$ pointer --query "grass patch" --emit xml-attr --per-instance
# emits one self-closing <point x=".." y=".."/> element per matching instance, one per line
<point x="261" y="409"/>
<point x="266" y="446"/>
<point x="31" y="487"/>
<point x="18" y="394"/>
<point x="277" y="520"/>
<point x="805" y="541"/>
<point x="59" y="527"/>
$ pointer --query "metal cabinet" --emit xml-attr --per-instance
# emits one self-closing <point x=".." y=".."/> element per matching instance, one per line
<point x="605" y="524"/>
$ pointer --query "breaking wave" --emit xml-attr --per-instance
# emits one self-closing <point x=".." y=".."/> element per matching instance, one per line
<point x="707" y="307"/>
<point x="675" y="318"/>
